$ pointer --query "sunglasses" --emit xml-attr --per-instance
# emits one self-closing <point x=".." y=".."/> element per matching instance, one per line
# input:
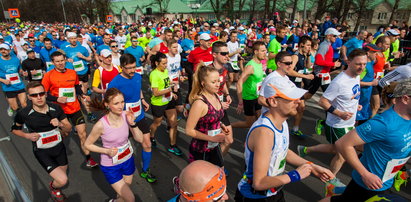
<point x="54" y="35"/>
<point x="41" y="94"/>
<point x="335" y="36"/>
<point x="134" y="41"/>
<point x="114" y="46"/>
<point x="223" y="53"/>
<point x="287" y="63"/>
<point x="31" y="40"/>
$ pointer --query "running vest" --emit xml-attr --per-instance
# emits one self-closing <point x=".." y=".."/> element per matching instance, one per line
<point x="379" y="66"/>
<point x="252" y="86"/>
<point x="107" y="76"/>
<point x="163" y="48"/>
<point x="299" y="67"/>
<point x="277" y="159"/>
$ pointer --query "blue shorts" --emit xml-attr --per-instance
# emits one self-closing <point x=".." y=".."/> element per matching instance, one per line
<point x="115" y="173"/>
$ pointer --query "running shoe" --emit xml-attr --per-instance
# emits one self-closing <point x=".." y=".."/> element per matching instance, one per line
<point x="175" y="150"/>
<point x="91" y="163"/>
<point x="56" y="194"/>
<point x="319" y="125"/>
<point x="153" y="142"/>
<point x="298" y="133"/>
<point x="302" y="150"/>
<point x="400" y="179"/>
<point x="10" y="111"/>
<point x="334" y="187"/>
<point x="148" y="176"/>
<point x="91" y="118"/>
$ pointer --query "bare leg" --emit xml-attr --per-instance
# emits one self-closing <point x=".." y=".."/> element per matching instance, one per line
<point x="123" y="189"/>
<point x="249" y="120"/>
<point x="59" y="176"/>
<point x="172" y="120"/>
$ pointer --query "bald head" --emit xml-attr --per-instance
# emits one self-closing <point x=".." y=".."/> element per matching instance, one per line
<point x="196" y="175"/>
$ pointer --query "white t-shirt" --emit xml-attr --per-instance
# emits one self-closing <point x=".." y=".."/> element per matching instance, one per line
<point x="400" y="73"/>
<point x="116" y="60"/>
<point x="232" y="47"/>
<point x="173" y="65"/>
<point x="121" y="40"/>
<point x="343" y="93"/>
<point x="18" y="44"/>
<point x="22" y="55"/>
<point x="86" y="38"/>
<point x="273" y="75"/>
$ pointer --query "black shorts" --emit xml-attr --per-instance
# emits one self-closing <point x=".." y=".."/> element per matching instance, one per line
<point x="230" y="68"/>
<point x="376" y="90"/>
<point x="51" y="158"/>
<point x="213" y="156"/>
<point x="279" y="197"/>
<point x="13" y="94"/>
<point x="315" y="84"/>
<point x="143" y="125"/>
<point x="179" y="100"/>
<point x="159" y="111"/>
<point x="355" y="193"/>
<point x="251" y="107"/>
<point x="225" y="119"/>
<point x="83" y="78"/>
<point x="76" y="118"/>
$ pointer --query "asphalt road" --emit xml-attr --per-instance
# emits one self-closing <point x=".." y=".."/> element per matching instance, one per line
<point x="90" y="185"/>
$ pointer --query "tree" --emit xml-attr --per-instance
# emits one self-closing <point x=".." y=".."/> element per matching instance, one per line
<point x="295" y="2"/>
<point x="217" y="6"/>
<point x="394" y="10"/>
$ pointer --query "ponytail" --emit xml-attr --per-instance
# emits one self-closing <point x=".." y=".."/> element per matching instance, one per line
<point x="198" y="77"/>
<point x="99" y="105"/>
<point x="156" y="58"/>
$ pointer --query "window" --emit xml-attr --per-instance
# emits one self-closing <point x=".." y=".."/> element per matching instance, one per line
<point x="382" y="16"/>
<point x="363" y="27"/>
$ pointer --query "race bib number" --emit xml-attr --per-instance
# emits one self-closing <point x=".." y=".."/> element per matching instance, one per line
<point x="48" y="139"/>
<point x="393" y="167"/>
<point x="279" y="164"/>
<point x="166" y="97"/>
<point x="69" y="93"/>
<point x="258" y="89"/>
<point x="37" y="74"/>
<point x="122" y="46"/>
<point x="135" y="108"/>
<point x="379" y="75"/>
<point x="213" y="133"/>
<point x="140" y="70"/>
<point x="13" y="78"/>
<point x="123" y="154"/>
<point x="325" y="78"/>
<point x="299" y="79"/>
<point x="174" y="77"/>
<point x="78" y="66"/>
<point x="242" y="46"/>
<point x="235" y="66"/>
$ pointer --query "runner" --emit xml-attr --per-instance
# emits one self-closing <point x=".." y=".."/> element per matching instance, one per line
<point x="385" y="139"/>
<point x="104" y="73"/>
<point x="162" y="101"/>
<point x="130" y="84"/>
<point x="200" y="181"/>
<point x="204" y="119"/>
<point x="11" y="82"/>
<point x="33" y="68"/>
<point x="353" y="43"/>
<point x="248" y="87"/>
<point x="340" y="101"/>
<point x="44" y="121"/>
<point x="63" y="87"/>
<point x="236" y="61"/>
<point x="121" y="39"/>
<point x="115" y="53"/>
<point x="266" y="147"/>
<point x="175" y="71"/>
<point x="117" y="160"/>
<point x="46" y="51"/>
<point x="137" y="52"/>
<point x="275" y="47"/>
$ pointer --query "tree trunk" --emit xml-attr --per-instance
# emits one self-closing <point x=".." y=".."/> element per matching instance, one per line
<point x="273" y="7"/>
<point x="294" y="10"/>
<point x="321" y="9"/>
<point x="394" y="10"/>
<point x="266" y="8"/>
<point x="360" y="14"/>
<point x="346" y="10"/>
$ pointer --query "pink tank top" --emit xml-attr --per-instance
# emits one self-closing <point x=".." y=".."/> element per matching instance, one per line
<point x="113" y="137"/>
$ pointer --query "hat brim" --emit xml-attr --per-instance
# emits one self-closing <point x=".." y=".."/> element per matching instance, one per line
<point x="295" y="94"/>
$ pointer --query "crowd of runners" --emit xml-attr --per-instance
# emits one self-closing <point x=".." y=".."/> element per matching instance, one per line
<point x="58" y="77"/>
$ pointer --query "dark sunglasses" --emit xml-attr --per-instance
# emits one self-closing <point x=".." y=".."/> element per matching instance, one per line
<point x="41" y="94"/>
<point x="31" y="40"/>
<point x="134" y="41"/>
<point x="335" y="36"/>
<point x="54" y="35"/>
<point x="223" y="53"/>
<point x="287" y="63"/>
<point x="114" y="46"/>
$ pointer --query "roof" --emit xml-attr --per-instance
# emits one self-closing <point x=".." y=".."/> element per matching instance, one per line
<point x="403" y="4"/>
<point x="174" y="6"/>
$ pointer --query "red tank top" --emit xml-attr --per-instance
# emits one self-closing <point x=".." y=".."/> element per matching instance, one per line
<point x="163" y="48"/>
<point x="107" y="76"/>
<point x="380" y="63"/>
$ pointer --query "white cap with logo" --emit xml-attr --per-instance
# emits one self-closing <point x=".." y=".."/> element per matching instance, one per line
<point x="205" y="37"/>
<point x="282" y="87"/>
<point x="105" y="53"/>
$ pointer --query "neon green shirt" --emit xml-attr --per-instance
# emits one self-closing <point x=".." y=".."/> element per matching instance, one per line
<point x="160" y="80"/>
<point x="274" y="47"/>
<point x="252" y="85"/>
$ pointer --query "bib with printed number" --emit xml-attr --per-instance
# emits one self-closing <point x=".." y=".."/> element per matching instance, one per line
<point x="213" y="133"/>
<point x="325" y="78"/>
<point x="279" y="164"/>
<point x="37" y="74"/>
<point x="174" y="77"/>
<point x="208" y="63"/>
<point x="258" y="87"/>
<point x="78" y="66"/>
<point x="124" y="153"/>
<point x="135" y="108"/>
<point x="69" y="93"/>
<point x="299" y="79"/>
<point x="393" y="167"/>
<point x="48" y="139"/>
<point x="234" y="65"/>
<point x="140" y="70"/>
<point x="166" y="97"/>
<point x="13" y="78"/>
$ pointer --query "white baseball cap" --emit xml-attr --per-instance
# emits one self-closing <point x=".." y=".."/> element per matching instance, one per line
<point x="332" y="31"/>
<point x="241" y="28"/>
<point x="71" y="34"/>
<point x="205" y="37"/>
<point x="5" y="46"/>
<point x="392" y="32"/>
<point x="105" y="53"/>
<point x="215" y="24"/>
<point x="282" y="87"/>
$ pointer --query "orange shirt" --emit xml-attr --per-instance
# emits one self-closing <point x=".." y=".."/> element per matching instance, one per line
<point x="58" y="83"/>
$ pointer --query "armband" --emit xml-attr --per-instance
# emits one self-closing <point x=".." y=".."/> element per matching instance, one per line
<point x="16" y="127"/>
<point x="294" y="176"/>
<point x="331" y="109"/>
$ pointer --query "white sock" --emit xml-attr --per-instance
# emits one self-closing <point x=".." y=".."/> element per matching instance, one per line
<point x="295" y="128"/>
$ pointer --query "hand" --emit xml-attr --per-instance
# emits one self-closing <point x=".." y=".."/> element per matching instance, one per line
<point x="359" y="108"/>
<point x="323" y="173"/>
<point x="344" y="115"/>
<point x="337" y="64"/>
<point x="130" y="116"/>
<point x="224" y="128"/>
<point x="229" y="99"/>
<point x="304" y="170"/>
<point x="240" y="108"/>
<point x="146" y="105"/>
<point x="70" y="60"/>
<point x="62" y="100"/>
<point x="7" y="82"/>
<point x="79" y="55"/>
<point x="174" y="96"/>
<point x="372" y="181"/>
<point x="26" y="74"/>
<point x="86" y="98"/>
<point x="33" y="136"/>
<point x="375" y="82"/>
<point x="225" y="105"/>
<point x="112" y="152"/>
<point x="55" y="122"/>
<point x="309" y="76"/>
<point x="218" y="138"/>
